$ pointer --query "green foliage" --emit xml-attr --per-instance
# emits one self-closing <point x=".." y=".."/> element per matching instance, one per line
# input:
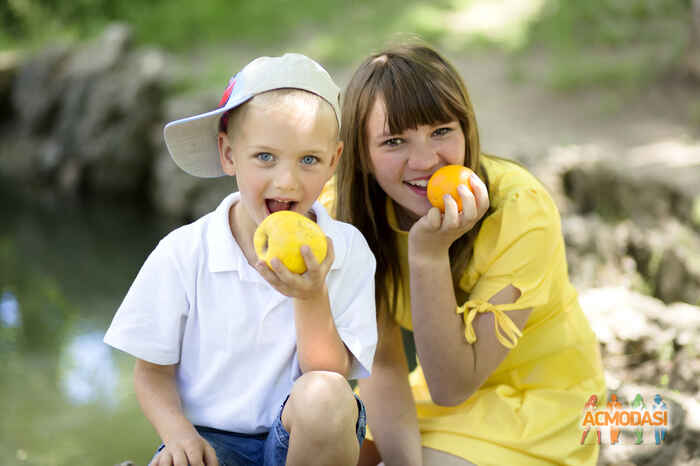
<point x="610" y="42"/>
<point x="183" y="24"/>
<point x="599" y="42"/>
<point x="569" y="25"/>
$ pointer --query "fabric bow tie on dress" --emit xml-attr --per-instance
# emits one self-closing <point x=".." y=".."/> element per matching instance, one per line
<point x="506" y="331"/>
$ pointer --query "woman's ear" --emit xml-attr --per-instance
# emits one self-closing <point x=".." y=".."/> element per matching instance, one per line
<point x="228" y="163"/>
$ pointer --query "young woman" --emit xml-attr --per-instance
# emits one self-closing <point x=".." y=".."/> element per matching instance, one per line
<point x="507" y="360"/>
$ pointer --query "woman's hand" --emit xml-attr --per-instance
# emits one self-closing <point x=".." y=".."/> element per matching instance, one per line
<point x="306" y="286"/>
<point x="433" y="233"/>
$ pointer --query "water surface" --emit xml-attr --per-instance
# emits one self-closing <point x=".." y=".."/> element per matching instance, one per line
<point x="65" y="397"/>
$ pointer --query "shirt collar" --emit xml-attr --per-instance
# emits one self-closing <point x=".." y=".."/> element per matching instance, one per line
<point x="224" y="253"/>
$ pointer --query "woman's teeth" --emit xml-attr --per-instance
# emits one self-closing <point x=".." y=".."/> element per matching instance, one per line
<point x="418" y="183"/>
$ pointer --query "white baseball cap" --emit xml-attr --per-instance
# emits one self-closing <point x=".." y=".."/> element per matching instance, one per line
<point x="193" y="141"/>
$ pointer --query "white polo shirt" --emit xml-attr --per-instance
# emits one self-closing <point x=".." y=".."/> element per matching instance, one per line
<point x="196" y="302"/>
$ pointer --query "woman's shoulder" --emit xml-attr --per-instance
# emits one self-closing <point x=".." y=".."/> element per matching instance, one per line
<point x="523" y="221"/>
<point x="519" y="203"/>
<point x="507" y="178"/>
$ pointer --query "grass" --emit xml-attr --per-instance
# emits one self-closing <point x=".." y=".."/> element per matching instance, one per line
<point x="611" y="43"/>
<point x="330" y="28"/>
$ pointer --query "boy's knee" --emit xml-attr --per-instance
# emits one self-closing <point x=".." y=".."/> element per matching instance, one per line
<point x="321" y="399"/>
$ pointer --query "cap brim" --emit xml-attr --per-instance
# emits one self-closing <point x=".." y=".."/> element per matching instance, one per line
<point x="193" y="142"/>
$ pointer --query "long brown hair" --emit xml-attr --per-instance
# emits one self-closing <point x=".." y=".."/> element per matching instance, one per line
<point x="419" y="87"/>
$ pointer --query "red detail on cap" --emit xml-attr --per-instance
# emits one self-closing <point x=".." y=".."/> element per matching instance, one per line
<point x="227" y="93"/>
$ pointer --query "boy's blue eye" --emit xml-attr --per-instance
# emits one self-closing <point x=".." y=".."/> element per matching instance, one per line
<point x="265" y="157"/>
<point x="309" y="160"/>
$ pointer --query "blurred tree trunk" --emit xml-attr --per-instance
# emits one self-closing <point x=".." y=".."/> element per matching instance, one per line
<point x="693" y="55"/>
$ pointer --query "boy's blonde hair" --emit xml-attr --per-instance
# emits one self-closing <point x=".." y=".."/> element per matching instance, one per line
<point x="305" y="103"/>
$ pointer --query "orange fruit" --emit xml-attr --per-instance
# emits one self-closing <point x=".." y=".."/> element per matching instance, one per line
<point x="445" y="181"/>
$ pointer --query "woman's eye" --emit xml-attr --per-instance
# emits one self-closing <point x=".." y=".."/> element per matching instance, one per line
<point x="265" y="157"/>
<point x="393" y="142"/>
<point x="309" y="160"/>
<point x="442" y="131"/>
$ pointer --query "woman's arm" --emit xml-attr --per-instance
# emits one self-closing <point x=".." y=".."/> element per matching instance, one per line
<point x="157" y="393"/>
<point x="453" y="368"/>
<point x="390" y="407"/>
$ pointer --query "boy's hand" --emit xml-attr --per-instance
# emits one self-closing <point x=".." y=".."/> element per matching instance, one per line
<point x="188" y="450"/>
<point x="434" y="233"/>
<point x="300" y="286"/>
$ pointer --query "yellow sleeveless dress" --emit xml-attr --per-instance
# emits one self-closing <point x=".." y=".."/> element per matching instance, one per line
<point x="529" y="410"/>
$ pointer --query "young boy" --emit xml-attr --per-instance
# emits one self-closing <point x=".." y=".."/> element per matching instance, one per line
<point x="238" y="362"/>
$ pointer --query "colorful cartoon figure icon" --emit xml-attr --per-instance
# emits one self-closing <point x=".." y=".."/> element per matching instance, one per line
<point x="590" y="405"/>
<point x="613" y="404"/>
<point x="638" y="403"/>
<point x="659" y="405"/>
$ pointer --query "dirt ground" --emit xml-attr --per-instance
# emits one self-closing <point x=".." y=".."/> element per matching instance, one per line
<point x="527" y="120"/>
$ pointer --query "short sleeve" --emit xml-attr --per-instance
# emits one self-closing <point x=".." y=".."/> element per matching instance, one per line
<point x="150" y="322"/>
<point x="354" y="305"/>
<point x="517" y="245"/>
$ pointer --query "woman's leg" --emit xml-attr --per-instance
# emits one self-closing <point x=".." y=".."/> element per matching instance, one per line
<point x="432" y="457"/>
<point x="321" y="415"/>
<point x="369" y="455"/>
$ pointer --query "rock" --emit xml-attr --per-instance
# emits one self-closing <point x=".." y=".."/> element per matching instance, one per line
<point x="648" y="453"/>
<point x="175" y="192"/>
<point x="88" y="111"/>
<point x="9" y="64"/>
<point x="649" y="348"/>
<point x="663" y="261"/>
<point x="37" y="89"/>
<point x="101" y="55"/>
<point x="629" y="220"/>
<point x="668" y="256"/>
<point x="648" y="184"/>
<point x="645" y="341"/>
<point x="673" y="277"/>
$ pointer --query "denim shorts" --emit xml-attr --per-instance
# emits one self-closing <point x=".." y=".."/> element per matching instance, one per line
<point x="266" y="449"/>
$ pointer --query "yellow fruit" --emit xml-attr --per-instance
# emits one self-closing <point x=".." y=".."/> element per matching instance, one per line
<point x="445" y="181"/>
<point x="283" y="233"/>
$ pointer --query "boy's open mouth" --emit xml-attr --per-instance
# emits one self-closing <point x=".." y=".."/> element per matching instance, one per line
<point x="275" y="205"/>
